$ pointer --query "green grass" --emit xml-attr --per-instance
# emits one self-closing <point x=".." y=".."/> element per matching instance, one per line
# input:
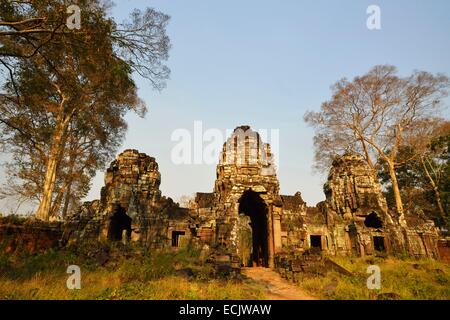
<point x="130" y="273"/>
<point x="407" y="278"/>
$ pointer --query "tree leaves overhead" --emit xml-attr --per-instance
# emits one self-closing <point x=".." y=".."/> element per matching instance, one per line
<point x="65" y="92"/>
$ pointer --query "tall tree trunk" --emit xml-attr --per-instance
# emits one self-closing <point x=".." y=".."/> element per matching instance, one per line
<point x="49" y="185"/>
<point x="69" y="180"/>
<point x="56" y="150"/>
<point x="434" y="187"/>
<point x="397" y="197"/>
<point x="67" y="200"/>
<point x="57" y="203"/>
<point x="390" y="160"/>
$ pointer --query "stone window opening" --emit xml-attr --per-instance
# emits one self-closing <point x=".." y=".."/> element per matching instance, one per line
<point x="378" y="244"/>
<point x="176" y="237"/>
<point x="373" y="221"/>
<point x="315" y="242"/>
<point x="252" y="205"/>
<point x="120" y="225"/>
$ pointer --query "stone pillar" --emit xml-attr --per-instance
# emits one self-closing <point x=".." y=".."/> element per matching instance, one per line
<point x="277" y="233"/>
<point x="271" y="238"/>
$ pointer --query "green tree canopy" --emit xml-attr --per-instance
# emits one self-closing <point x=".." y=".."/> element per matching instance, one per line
<point x="66" y="92"/>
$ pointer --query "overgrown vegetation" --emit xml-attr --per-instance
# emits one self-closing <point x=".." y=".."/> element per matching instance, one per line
<point x="400" y="279"/>
<point x="118" y="272"/>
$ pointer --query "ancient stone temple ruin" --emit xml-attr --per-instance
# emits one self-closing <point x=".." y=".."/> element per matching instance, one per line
<point x="244" y="217"/>
<point x="130" y="208"/>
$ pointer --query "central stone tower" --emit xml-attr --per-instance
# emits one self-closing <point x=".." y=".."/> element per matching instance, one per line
<point x="247" y="200"/>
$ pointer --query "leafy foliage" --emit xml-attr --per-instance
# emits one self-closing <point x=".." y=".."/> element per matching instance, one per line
<point x="424" y="179"/>
<point x="66" y="93"/>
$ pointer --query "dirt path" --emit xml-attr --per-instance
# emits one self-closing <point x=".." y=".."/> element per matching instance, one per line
<point x="277" y="287"/>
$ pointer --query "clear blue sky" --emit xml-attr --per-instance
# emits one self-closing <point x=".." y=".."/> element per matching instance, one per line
<point x="264" y="63"/>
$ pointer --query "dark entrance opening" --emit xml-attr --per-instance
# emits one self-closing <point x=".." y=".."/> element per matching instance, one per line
<point x="176" y="238"/>
<point x="252" y="205"/>
<point x="316" y="242"/>
<point x="378" y="244"/>
<point x="373" y="221"/>
<point x="119" y="223"/>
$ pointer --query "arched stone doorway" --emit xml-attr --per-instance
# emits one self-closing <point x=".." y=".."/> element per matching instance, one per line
<point x="253" y="206"/>
<point x="119" y="225"/>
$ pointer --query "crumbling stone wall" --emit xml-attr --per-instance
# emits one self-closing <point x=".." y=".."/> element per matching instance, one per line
<point x="205" y="212"/>
<point x="130" y="208"/>
<point x="444" y="249"/>
<point x="32" y="236"/>
<point x="132" y="185"/>
<point x="292" y="220"/>
<point x="353" y="220"/>
<point x="352" y="188"/>
<point x="358" y="221"/>
<point x="245" y="220"/>
<point x="246" y="165"/>
<point x="246" y="205"/>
